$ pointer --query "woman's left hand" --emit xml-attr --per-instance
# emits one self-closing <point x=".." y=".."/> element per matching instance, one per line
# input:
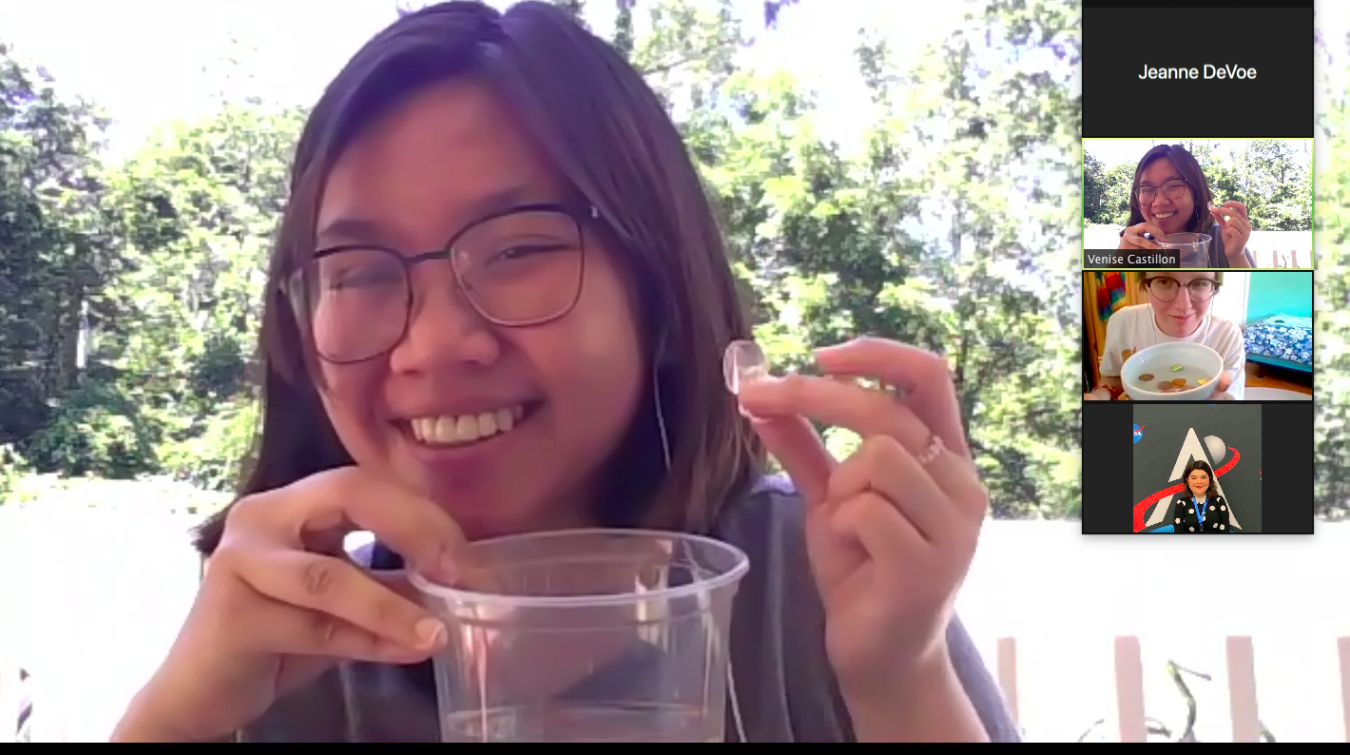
<point x="1235" y="232"/>
<point x="891" y="530"/>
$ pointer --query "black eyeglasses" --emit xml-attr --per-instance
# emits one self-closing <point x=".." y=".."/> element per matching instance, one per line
<point x="1173" y="190"/>
<point x="516" y="268"/>
<point x="1166" y="289"/>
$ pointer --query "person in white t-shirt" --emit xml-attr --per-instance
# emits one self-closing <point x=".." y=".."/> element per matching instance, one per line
<point x="1178" y="309"/>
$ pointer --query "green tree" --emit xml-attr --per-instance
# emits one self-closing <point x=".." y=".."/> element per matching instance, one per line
<point x="1332" y="337"/>
<point x="54" y="249"/>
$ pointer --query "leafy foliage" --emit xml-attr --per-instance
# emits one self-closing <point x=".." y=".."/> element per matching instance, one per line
<point x="1332" y="336"/>
<point x="13" y="467"/>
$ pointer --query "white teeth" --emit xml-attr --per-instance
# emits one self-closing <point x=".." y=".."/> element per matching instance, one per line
<point x="465" y="428"/>
<point x="1164" y="216"/>
<point x="486" y="424"/>
<point x="443" y="427"/>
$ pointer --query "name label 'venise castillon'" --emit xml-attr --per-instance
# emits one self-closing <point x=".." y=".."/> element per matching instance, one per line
<point x="1207" y="71"/>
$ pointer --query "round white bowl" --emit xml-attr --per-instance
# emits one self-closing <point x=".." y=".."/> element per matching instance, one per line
<point x="1158" y="360"/>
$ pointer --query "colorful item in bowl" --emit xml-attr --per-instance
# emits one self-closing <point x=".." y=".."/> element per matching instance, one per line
<point x="1173" y="371"/>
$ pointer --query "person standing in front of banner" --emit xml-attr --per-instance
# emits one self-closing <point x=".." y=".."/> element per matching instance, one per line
<point x="1170" y="195"/>
<point x="1178" y="309"/>
<point x="1199" y="509"/>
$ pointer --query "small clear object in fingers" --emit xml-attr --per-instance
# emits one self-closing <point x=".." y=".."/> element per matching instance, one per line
<point x="743" y="362"/>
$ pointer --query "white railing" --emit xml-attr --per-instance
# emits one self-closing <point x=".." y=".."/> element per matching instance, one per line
<point x="1282" y="249"/>
<point x="1130" y="722"/>
<point x="1272" y="249"/>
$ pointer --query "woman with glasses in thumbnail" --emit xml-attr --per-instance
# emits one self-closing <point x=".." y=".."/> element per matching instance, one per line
<point x="1170" y="195"/>
<point x="1199" y="509"/>
<point x="1178" y="309"/>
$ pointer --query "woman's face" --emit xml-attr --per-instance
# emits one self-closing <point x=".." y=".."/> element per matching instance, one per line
<point x="1171" y="215"/>
<point x="1198" y="482"/>
<point x="553" y="400"/>
<point x="1179" y="317"/>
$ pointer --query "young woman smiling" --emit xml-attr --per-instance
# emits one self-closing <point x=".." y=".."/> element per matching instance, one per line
<point x="1198" y="509"/>
<point x="498" y="304"/>
<point x="1178" y="309"/>
<point x="1170" y="195"/>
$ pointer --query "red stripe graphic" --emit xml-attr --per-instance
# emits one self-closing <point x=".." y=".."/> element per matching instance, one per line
<point x="1142" y="506"/>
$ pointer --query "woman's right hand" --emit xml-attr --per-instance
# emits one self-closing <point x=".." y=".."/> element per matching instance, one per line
<point x="281" y="603"/>
<point x="1134" y="236"/>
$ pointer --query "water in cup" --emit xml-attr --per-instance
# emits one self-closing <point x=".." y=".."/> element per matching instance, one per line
<point x="587" y="636"/>
<point x="583" y="723"/>
<point x="1192" y="248"/>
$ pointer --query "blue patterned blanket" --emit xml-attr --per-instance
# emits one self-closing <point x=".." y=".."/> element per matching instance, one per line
<point x="1280" y="337"/>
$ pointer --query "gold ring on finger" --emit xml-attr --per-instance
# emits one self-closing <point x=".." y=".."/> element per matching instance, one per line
<point x="871" y="384"/>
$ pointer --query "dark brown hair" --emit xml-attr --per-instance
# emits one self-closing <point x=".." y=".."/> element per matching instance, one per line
<point x="608" y="135"/>
<point x="1190" y="171"/>
<point x="1213" y="491"/>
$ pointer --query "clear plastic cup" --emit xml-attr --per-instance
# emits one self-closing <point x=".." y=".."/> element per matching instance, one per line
<point x="1193" y="248"/>
<point x="587" y="636"/>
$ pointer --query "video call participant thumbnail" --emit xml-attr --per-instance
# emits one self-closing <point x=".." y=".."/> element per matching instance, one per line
<point x="1171" y="195"/>
<point x="1178" y="309"/>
